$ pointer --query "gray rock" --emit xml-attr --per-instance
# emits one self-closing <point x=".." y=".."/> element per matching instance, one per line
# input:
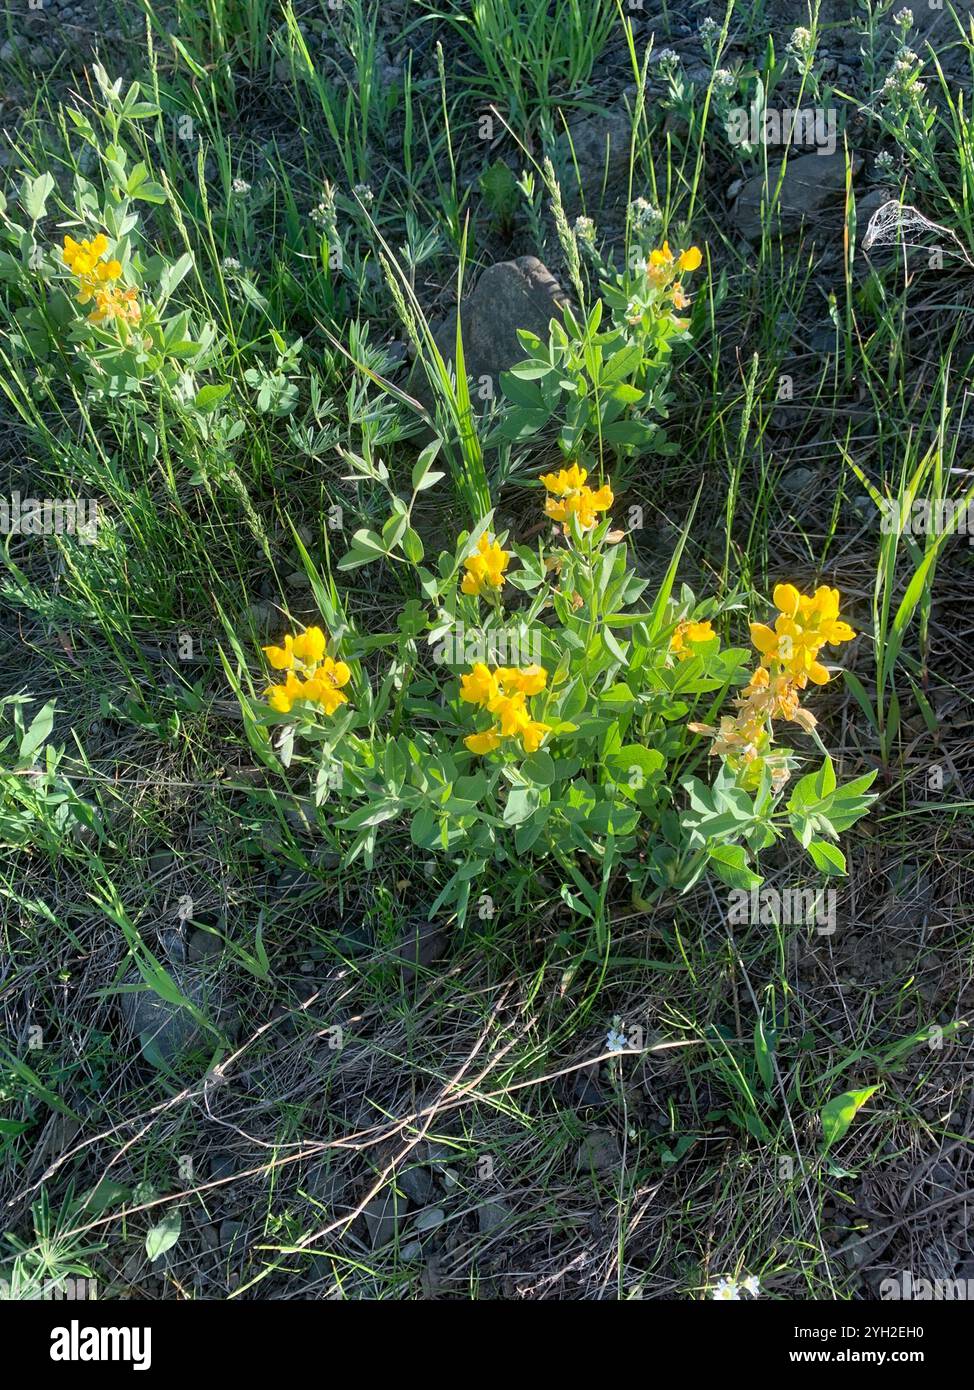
<point x="203" y="945"/>
<point x="422" y="944"/>
<point x="165" y="1030"/>
<point x="222" y="1165"/>
<point x="599" y="145"/>
<point x="509" y="295"/>
<point x="599" y="1152"/>
<point x="491" y="1216"/>
<point x="430" y="1219"/>
<point x="382" y="1217"/>
<point x="412" y="1251"/>
<point x="811" y="183"/>
<point x="418" y="1185"/>
<point x="798" y="481"/>
<point x="233" y="1235"/>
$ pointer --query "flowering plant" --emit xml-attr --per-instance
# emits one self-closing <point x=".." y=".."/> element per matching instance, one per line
<point x="531" y="706"/>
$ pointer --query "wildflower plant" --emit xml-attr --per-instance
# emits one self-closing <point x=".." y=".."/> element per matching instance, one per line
<point x="533" y="705"/>
<point x="606" y="387"/>
<point x="92" y="291"/>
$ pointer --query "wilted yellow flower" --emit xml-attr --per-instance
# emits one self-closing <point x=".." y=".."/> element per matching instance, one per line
<point x="485" y="568"/>
<point x="113" y="303"/>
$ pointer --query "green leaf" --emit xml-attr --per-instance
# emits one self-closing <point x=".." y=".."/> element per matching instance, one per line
<point x="209" y="397"/>
<point x="763" y="1053"/>
<point x="150" y="192"/>
<point x="34" y="194"/>
<point x="522" y="802"/>
<point x="827" y="858"/>
<point x="840" y="1112"/>
<point x="729" y="862"/>
<point x="163" y="1236"/>
<point x="38" y="733"/>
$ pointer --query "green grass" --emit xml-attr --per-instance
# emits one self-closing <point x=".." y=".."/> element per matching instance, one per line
<point x="190" y="830"/>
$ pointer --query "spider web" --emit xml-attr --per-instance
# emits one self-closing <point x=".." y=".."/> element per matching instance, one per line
<point x="895" y="221"/>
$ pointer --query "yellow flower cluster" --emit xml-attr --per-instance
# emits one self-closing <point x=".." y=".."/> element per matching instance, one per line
<point x="311" y="676"/>
<point x="96" y="279"/>
<point x="504" y="691"/>
<point x="569" y="496"/>
<point x="485" y="567"/>
<point x="664" y="270"/>
<point x="789" y="654"/>
<point x="803" y="627"/>
<point x="686" y="635"/>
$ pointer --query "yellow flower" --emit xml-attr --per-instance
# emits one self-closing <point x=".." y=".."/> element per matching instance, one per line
<point x="804" y="625"/>
<point x="661" y="257"/>
<point x="479" y="686"/>
<point x="281" y="658"/>
<point x="504" y="692"/>
<point x="96" y="277"/>
<point x="485" y="568"/>
<point x="689" y="632"/>
<point x="282" y="697"/>
<point x="324" y="687"/>
<point x="566" y="481"/>
<point x="690" y="259"/>
<point x="532" y="735"/>
<point x="528" y="680"/>
<point x="512" y="712"/>
<point x="569" y="495"/>
<point x="309" y="646"/>
<point x="324" y="677"/>
<point x="482" y="744"/>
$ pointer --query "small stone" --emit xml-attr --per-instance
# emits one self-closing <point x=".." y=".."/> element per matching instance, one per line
<point x="491" y="1216"/>
<point x="430" y="1219"/>
<point x="164" y="1029"/>
<point x="811" y="181"/>
<point x="510" y="295"/>
<point x="599" y="145"/>
<point x="422" y="944"/>
<point x="797" y="481"/>
<point x="418" y="1185"/>
<point x="203" y="945"/>
<point x="599" y="1152"/>
<point x="233" y="1234"/>
<point x="222" y="1165"/>
<point x="382" y="1217"/>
